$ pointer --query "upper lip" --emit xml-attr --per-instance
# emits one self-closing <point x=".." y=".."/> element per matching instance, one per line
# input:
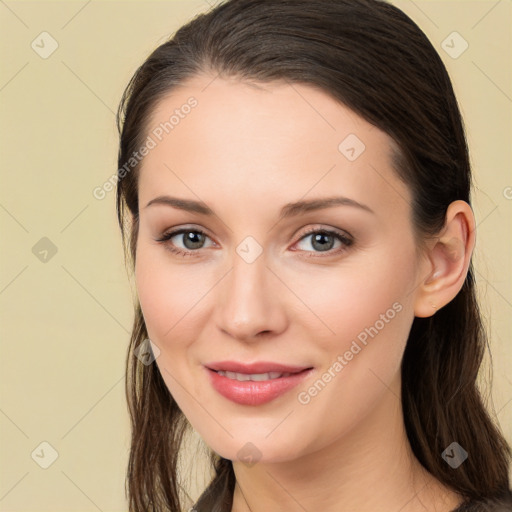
<point x="257" y="367"/>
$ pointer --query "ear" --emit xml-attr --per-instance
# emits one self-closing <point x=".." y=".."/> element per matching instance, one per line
<point x="448" y="260"/>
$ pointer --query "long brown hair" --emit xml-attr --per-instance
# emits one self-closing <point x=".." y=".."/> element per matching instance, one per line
<point x="374" y="59"/>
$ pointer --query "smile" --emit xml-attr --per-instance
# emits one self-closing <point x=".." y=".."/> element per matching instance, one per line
<point x="255" y="387"/>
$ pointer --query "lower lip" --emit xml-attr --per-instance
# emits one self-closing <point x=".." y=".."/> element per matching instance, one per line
<point x="251" y="392"/>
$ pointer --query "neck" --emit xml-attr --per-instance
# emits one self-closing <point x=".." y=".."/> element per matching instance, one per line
<point x="371" y="467"/>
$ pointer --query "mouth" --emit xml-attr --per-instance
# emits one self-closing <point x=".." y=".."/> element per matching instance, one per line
<point x="256" y="383"/>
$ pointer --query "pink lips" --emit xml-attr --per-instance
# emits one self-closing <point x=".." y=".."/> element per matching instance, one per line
<point x="250" y="392"/>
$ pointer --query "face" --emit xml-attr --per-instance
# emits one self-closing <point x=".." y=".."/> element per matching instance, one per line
<point x="317" y="296"/>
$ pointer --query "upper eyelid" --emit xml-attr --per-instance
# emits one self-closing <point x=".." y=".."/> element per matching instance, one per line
<point x="329" y="230"/>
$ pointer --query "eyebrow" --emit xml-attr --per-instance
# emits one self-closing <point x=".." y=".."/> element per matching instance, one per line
<point x="288" y="210"/>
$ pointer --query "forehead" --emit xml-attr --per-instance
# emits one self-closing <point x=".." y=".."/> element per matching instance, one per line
<point x="276" y="140"/>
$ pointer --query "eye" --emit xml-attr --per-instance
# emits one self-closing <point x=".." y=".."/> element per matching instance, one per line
<point x="323" y="241"/>
<point x="192" y="239"/>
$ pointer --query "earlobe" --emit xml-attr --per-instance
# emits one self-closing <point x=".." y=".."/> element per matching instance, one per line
<point x="448" y="261"/>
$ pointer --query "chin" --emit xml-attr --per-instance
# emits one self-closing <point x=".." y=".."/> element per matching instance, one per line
<point x="250" y="452"/>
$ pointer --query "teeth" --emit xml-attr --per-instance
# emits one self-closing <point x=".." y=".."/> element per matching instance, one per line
<point x="253" y="376"/>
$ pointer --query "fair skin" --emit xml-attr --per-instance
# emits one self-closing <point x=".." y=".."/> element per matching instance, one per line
<point x="246" y="151"/>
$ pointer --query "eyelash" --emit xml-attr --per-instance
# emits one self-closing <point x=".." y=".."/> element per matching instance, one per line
<point x="346" y="241"/>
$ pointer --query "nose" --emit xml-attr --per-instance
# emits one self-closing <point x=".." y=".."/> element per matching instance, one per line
<point x="248" y="305"/>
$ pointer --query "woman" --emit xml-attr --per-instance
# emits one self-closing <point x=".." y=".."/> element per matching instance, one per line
<point x="294" y="193"/>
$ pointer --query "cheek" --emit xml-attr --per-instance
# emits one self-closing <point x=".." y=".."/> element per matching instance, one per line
<point x="360" y="362"/>
<point x="170" y="298"/>
<point x="365" y="298"/>
<point x="366" y="312"/>
<point x="176" y="301"/>
<point x="366" y="339"/>
<point x="169" y="294"/>
<point x="155" y="300"/>
<point x="369" y="308"/>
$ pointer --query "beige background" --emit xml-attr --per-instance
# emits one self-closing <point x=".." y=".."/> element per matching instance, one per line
<point x="65" y="322"/>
